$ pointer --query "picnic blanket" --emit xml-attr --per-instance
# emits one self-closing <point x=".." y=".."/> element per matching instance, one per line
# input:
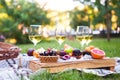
<point x="12" y="71"/>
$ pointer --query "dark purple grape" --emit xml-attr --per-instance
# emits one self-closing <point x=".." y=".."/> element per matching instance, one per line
<point x="30" y="52"/>
<point x="86" y="53"/>
<point x="76" y="52"/>
<point x="54" y="53"/>
<point x="41" y="54"/>
<point x="46" y="53"/>
<point x="62" y="53"/>
<point x="50" y="53"/>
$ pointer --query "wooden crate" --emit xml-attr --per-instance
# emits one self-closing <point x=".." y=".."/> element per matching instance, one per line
<point x="59" y="66"/>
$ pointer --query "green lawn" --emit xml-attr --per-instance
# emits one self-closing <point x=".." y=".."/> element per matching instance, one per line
<point x="112" y="49"/>
<point x="71" y="75"/>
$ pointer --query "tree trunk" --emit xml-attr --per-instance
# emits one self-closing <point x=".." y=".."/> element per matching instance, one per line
<point x="108" y="23"/>
<point x="108" y="20"/>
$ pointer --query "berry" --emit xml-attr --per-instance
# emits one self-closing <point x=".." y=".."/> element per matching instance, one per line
<point x="54" y="53"/>
<point x="46" y="53"/>
<point x="50" y="53"/>
<point x="41" y="54"/>
<point x="86" y="53"/>
<point x="76" y="52"/>
<point x="62" y="53"/>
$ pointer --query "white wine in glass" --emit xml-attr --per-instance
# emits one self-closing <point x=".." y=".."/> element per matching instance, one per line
<point x="84" y="35"/>
<point x="88" y="35"/>
<point x="79" y="38"/>
<point x="60" y="38"/>
<point x="89" y="39"/>
<point x="60" y="35"/>
<point x="35" y="34"/>
<point x="35" y="38"/>
<point x="79" y="35"/>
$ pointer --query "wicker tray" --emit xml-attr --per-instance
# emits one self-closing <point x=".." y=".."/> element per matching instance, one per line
<point x="59" y="66"/>
<point x="48" y="59"/>
<point x="8" y="51"/>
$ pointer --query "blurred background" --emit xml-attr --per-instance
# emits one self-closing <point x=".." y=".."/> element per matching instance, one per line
<point x="16" y="16"/>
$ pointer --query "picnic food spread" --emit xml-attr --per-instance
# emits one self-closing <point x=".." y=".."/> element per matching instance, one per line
<point x="59" y="59"/>
<point x="55" y="60"/>
<point x="67" y="52"/>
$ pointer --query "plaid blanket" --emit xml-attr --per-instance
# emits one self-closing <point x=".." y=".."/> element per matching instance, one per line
<point x="10" y="69"/>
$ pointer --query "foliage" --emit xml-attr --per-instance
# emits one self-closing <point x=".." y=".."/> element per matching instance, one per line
<point x="76" y="17"/>
<point x="104" y="13"/>
<point x="29" y="13"/>
<point x="100" y="17"/>
<point x="104" y="8"/>
<point x="20" y="12"/>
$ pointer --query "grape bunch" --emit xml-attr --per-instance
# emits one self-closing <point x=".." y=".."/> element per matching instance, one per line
<point x="49" y="53"/>
<point x="42" y="52"/>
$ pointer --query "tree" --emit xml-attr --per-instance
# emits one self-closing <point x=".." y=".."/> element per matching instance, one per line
<point x="21" y="12"/>
<point x="104" y="15"/>
<point x="79" y="18"/>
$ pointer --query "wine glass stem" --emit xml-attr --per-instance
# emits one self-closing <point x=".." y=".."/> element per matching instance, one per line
<point x="60" y="43"/>
<point x="82" y="45"/>
<point x="35" y="45"/>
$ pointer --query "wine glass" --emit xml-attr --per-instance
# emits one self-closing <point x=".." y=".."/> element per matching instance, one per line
<point x="60" y="34"/>
<point x="35" y="34"/>
<point x="88" y="34"/>
<point x="84" y="35"/>
<point x="79" y="35"/>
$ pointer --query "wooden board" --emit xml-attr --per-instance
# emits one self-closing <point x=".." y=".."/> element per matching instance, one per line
<point x="59" y="66"/>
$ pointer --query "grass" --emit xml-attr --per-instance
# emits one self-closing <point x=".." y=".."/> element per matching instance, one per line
<point x="112" y="49"/>
<point x="70" y="75"/>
